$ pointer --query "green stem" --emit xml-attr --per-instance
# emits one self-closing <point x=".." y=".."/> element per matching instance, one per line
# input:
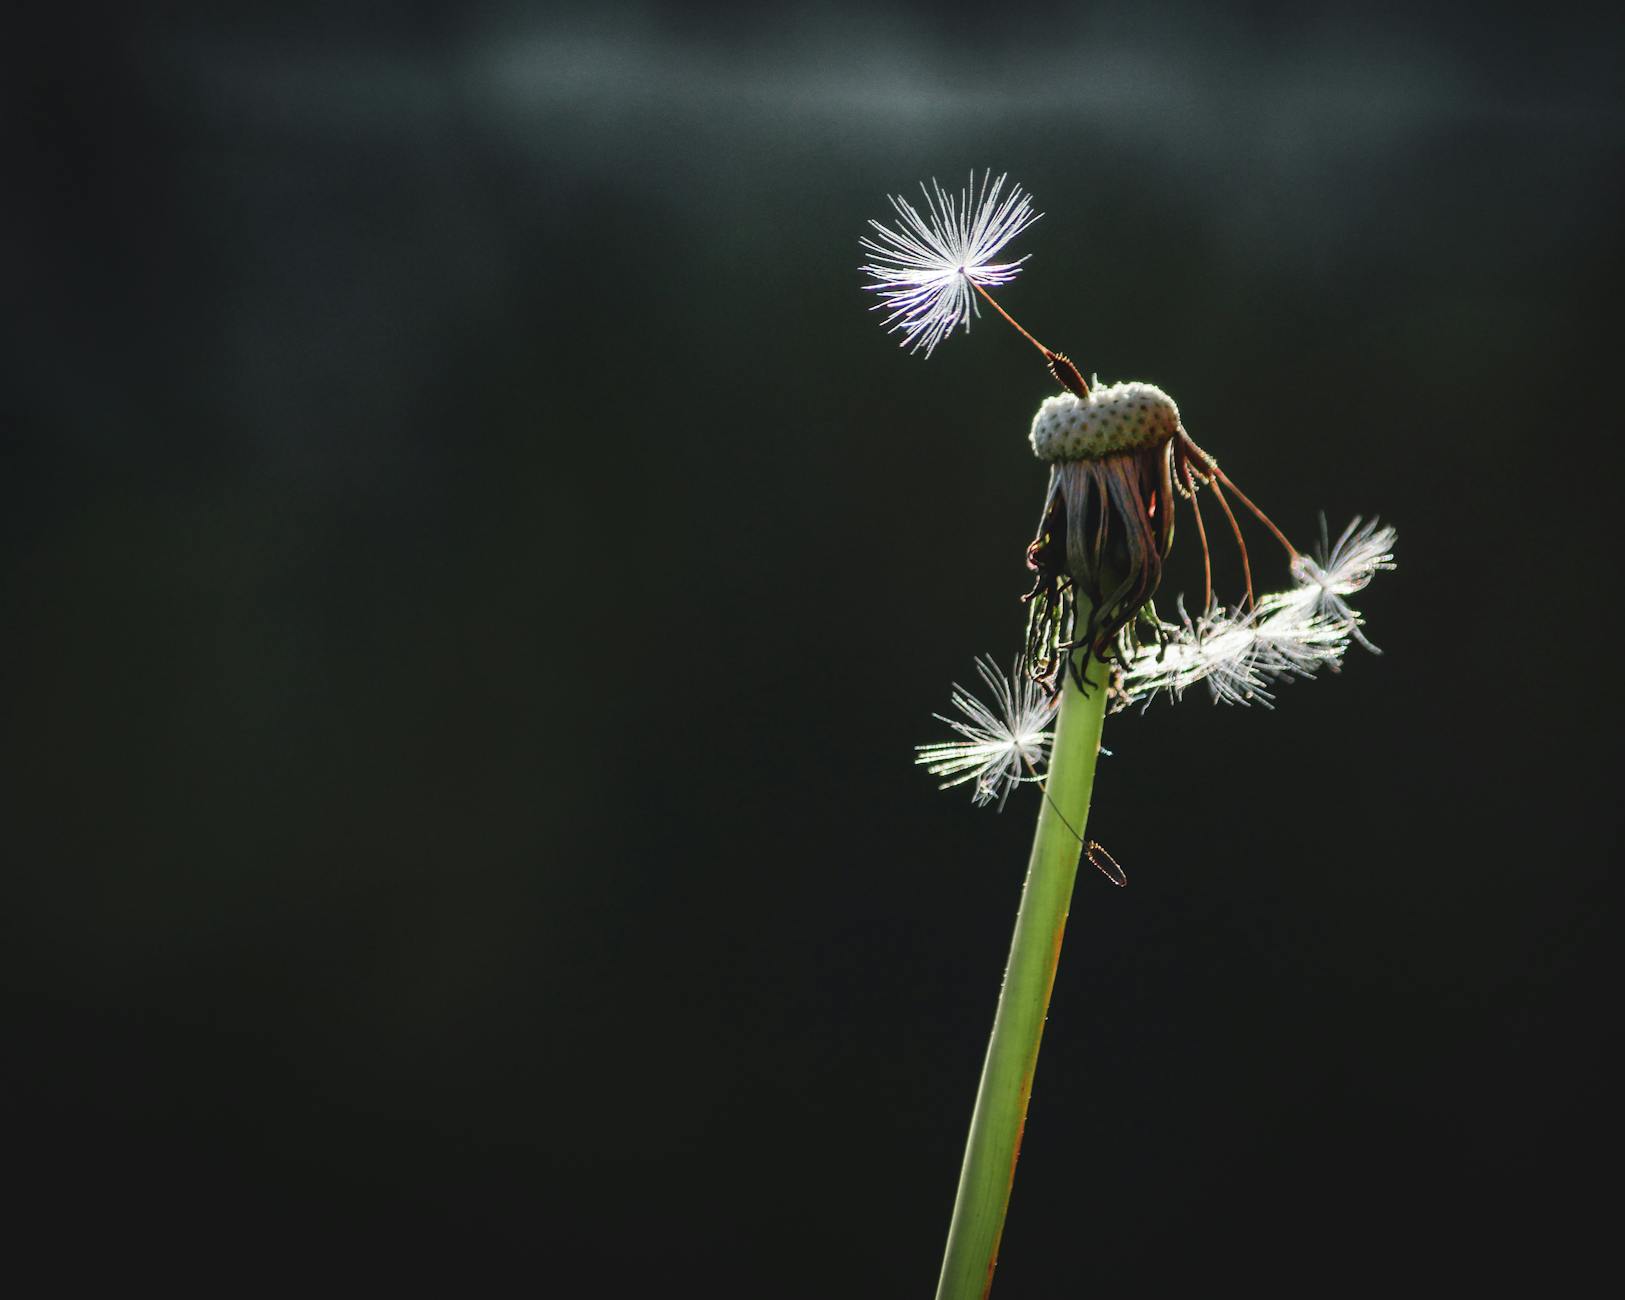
<point x="994" y="1142"/>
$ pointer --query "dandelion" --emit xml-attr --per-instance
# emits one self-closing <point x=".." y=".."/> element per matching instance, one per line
<point x="1120" y="460"/>
<point x="926" y="267"/>
<point x="1003" y="744"/>
<point x="1121" y="466"/>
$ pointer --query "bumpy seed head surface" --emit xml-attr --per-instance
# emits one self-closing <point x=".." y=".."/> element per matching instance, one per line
<point x="1118" y="418"/>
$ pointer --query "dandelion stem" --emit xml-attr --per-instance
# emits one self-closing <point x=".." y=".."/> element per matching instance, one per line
<point x="1000" y="1114"/>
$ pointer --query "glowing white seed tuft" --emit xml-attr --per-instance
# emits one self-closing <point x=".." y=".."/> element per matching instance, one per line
<point x="1116" y="418"/>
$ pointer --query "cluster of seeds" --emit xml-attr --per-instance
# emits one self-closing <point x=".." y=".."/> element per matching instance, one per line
<point x="1118" y="418"/>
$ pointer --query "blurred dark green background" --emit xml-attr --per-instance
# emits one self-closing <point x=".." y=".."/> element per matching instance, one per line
<point x="474" y="573"/>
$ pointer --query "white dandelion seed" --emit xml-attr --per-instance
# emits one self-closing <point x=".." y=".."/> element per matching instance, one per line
<point x="1341" y="569"/>
<point x="1239" y="655"/>
<point x="925" y="268"/>
<point x="1293" y="633"/>
<point x="1004" y="743"/>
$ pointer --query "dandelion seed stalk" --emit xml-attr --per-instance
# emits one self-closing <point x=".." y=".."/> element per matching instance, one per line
<point x="989" y="1168"/>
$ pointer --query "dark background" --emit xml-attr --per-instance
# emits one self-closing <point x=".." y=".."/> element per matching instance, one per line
<point x="474" y="574"/>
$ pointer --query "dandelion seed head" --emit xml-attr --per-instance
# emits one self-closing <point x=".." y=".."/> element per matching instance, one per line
<point x="924" y="266"/>
<point x="1003" y="743"/>
<point x="1120" y="461"/>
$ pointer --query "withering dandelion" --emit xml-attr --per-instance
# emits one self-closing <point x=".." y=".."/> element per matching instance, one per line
<point x="1121" y="467"/>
